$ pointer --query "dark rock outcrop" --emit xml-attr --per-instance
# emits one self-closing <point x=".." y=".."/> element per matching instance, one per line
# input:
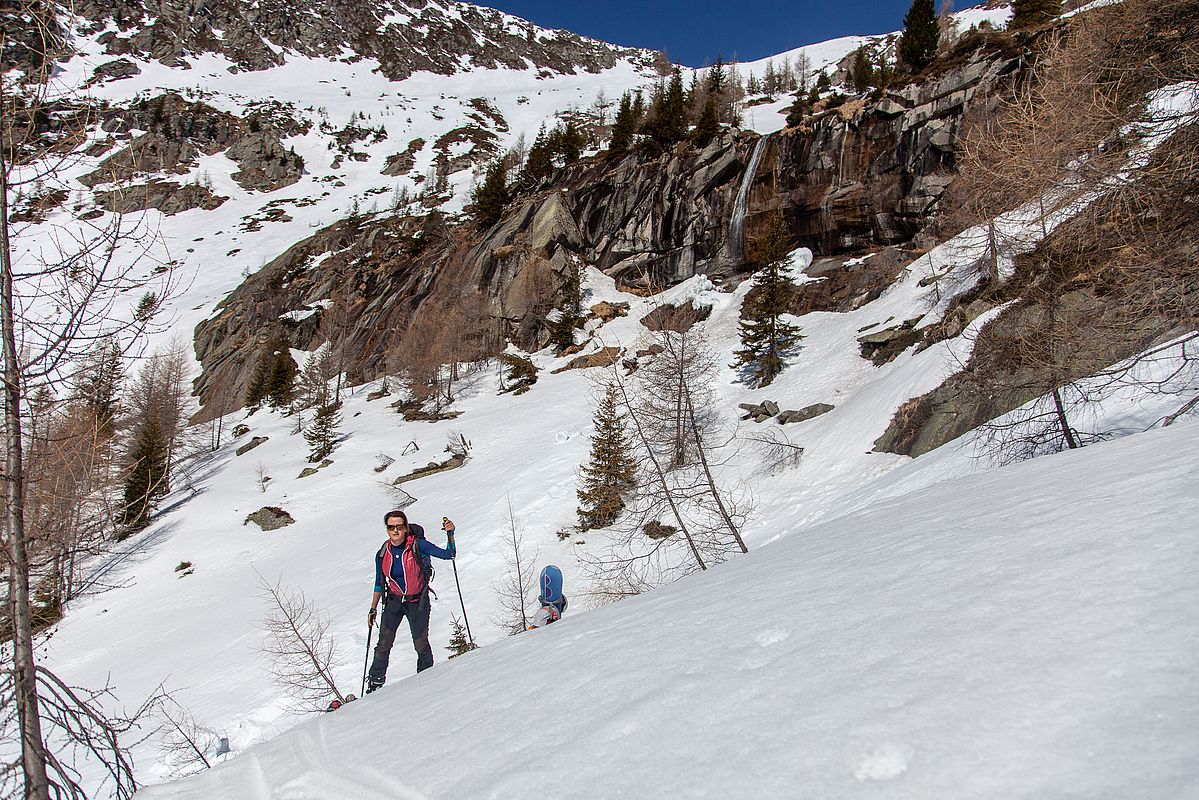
<point x="266" y="165"/>
<point x="166" y="196"/>
<point x="410" y="36"/>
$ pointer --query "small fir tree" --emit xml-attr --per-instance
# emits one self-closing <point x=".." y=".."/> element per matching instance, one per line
<point x="97" y="383"/>
<point x="146" y="480"/>
<point x="798" y="110"/>
<point x="256" y="390"/>
<point x="1030" y="13"/>
<point x="562" y="329"/>
<point x="611" y="471"/>
<point x="921" y="34"/>
<point x="766" y="339"/>
<point x="459" y="642"/>
<point x="570" y="141"/>
<point x="708" y="124"/>
<point x="491" y="197"/>
<point x="717" y="80"/>
<point x="623" y="127"/>
<point x="861" y="71"/>
<point x="321" y="435"/>
<point x="281" y="380"/>
<point x="540" y="162"/>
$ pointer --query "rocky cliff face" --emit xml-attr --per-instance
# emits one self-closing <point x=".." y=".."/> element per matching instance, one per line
<point x="404" y="36"/>
<point x="849" y="179"/>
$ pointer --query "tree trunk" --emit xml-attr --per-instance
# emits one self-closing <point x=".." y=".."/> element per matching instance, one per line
<point x="703" y="460"/>
<point x="1062" y="422"/>
<point x="33" y="747"/>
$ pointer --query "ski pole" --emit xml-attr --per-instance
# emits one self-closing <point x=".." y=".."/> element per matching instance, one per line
<point x="370" y="629"/>
<point x="454" y="563"/>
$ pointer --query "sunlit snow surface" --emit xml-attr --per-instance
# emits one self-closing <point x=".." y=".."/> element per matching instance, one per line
<point x="900" y="628"/>
<point x="1027" y="632"/>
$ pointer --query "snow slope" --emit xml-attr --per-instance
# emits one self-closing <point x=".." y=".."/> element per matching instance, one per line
<point x="1027" y="632"/>
<point x="881" y="647"/>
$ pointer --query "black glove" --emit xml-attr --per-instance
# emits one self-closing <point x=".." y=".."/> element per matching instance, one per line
<point x="370" y="618"/>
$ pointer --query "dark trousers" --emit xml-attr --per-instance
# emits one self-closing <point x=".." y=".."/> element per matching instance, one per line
<point x="395" y="610"/>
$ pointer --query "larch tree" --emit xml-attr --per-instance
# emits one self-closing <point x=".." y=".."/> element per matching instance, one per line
<point x="64" y="289"/>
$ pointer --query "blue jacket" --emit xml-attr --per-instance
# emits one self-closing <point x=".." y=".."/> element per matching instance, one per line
<point x="423" y="546"/>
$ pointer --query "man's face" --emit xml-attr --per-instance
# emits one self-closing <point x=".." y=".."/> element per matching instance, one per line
<point x="397" y="530"/>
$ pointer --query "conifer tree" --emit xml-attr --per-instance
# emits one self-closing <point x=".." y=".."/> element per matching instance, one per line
<point x="281" y="380"/>
<point x="459" y="642"/>
<point x="145" y="481"/>
<point x="638" y="106"/>
<point x="799" y="109"/>
<point x="321" y="435"/>
<point x="861" y="71"/>
<point x="540" y="162"/>
<point x="562" y="329"/>
<point x="97" y="382"/>
<point x="717" y="80"/>
<point x="491" y="197"/>
<point x="1029" y="13"/>
<point x="708" y="124"/>
<point x="624" y="127"/>
<point x="921" y="34"/>
<point x="611" y="471"/>
<point x="765" y="338"/>
<point x="256" y="390"/>
<point x="668" y="123"/>
<point x="570" y="141"/>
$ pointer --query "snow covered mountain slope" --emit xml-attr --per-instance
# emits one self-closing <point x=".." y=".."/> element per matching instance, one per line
<point x="1027" y="632"/>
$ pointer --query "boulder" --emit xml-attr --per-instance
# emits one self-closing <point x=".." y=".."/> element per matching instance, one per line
<point x="250" y="445"/>
<point x="804" y="414"/>
<point x="601" y="358"/>
<point x="270" y="518"/>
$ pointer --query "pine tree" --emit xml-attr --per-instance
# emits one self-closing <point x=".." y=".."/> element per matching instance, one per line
<point x="668" y="123"/>
<point x="562" y="329"/>
<point x="709" y="123"/>
<point x="638" y="106"/>
<point x="765" y="338"/>
<point x="1029" y="13"/>
<point x="798" y="110"/>
<point x="459" y="642"/>
<point x="491" y="197"/>
<point x="624" y="127"/>
<point x="611" y="471"/>
<point x="281" y="379"/>
<point x="861" y="71"/>
<point x="97" y="382"/>
<point x="145" y="481"/>
<point x="717" y="80"/>
<point x="540" y="162"/>
<point x="921" y="34"/>
<point x="570" y="141"/>
<point x="321" y="435"/>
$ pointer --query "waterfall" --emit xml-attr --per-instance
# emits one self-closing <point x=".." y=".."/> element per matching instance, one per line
<point x="741" y="204"/>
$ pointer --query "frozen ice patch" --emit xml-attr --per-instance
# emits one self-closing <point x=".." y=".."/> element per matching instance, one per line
<point x="885" y="762"/>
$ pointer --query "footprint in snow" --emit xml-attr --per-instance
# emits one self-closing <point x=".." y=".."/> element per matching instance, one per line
<point x="885" y="762"/>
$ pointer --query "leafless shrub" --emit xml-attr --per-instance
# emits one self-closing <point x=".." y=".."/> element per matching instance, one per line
<point x="186" y="745"/>
<point x="301" y="653"/>
<point x="514" y="589"/>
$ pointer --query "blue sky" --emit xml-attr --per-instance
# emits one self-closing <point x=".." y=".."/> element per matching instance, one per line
<point x="694" y="32"/>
